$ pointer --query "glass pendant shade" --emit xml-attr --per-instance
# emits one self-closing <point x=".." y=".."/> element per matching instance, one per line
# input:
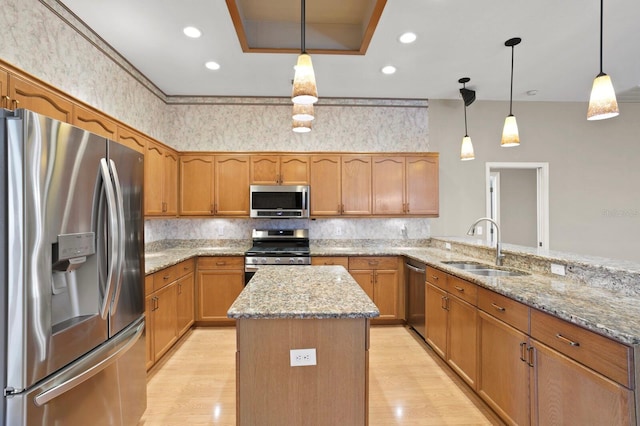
<point x="304" y="82"/>
<point x="510" y="136"/>
<point x="466" y="151"/>
<point x="303" y="112"/>
<point x="602" y="102"/>
<point x="301" y="126"/>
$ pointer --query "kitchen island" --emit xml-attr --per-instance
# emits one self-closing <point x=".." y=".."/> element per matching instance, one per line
<point x="320" y="309"/>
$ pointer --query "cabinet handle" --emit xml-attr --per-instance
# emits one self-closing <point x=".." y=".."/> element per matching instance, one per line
<point x="5" y="101"/>
<point x="166" y="277"/>
<point x="498" y="308"/>
<point x="530" y="352"/>
<point x="15" y="103"/>
<point x="155" y="303"/>
<point x="212" y="210"/>
<point x="460" y="289"/>
<point x="567" y="341"/>
<point x="179" y="288"/>
<point x="373" y="262"/>
<point x="186" y="268"/>
<point x="215" y="208"/>
<point x="435" y="278"/>
<point x="523" y="351"/>
<point x="407" y="211"/>
<point x="222" y="263"/>
<point x="445" y="303"/>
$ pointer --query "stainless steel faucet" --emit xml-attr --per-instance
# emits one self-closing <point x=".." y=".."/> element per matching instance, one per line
<point x="472" y="231"/>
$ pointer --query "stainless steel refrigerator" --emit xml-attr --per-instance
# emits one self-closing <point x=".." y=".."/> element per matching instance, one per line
<point x="72" y="295"/>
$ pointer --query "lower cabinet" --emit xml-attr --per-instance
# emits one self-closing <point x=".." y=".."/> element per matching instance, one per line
<point x="220" y="282"/>
<point x="379" y="278"/>
<point x="185" y="303"/>
<point x="165" y="317"/>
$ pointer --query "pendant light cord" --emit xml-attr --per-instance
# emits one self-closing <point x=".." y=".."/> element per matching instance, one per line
<point x="511" y="91"/>
<point x="601" y="26"/>
<point x="465" y="113"/>
<point x="302" y="27"/>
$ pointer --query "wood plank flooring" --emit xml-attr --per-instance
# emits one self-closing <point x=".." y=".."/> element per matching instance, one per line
<point x="194" y="384"/>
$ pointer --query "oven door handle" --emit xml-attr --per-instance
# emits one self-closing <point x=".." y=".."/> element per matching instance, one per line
<point x="251" y="268"/>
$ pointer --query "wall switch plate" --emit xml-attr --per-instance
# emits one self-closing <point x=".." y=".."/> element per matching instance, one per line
<point x="338" y="230"/>
<point x="302" y="357"/>
<point x="220" y="230"/>
<point x="558" y="269"/>
<point x="478" y="230"/>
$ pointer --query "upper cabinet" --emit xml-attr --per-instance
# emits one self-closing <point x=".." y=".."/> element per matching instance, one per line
<point x="405" y="185"/>
<point x="232" y="185"/>
<point x="279" y="170"/>
<point x="132" y="139"/>
<point x="160" y="180"/>
<point x="325" y="194"/>
<point x="197" y="185"/>
<point x="4" y="88"/>
<point x="356" y="185"/>
<point x="35" y="97"/>
<point x="94" y="122"/>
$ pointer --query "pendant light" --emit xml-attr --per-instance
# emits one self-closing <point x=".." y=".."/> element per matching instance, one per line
<point x="302" y="112"/>
<point x="510" y="136"/>
<point x="304" y="82"/>
<point x="468" y="96"/>
<point x="602" y="102"/>
<point x="301" y="126"/>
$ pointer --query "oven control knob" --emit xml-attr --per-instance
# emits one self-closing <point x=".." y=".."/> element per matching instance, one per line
<point x="254" y="260"/>
<point x="264" y="260"/>
<point x="277" y="261"/>
<point x="292" y="260"/>
<point x="300" y="261"/>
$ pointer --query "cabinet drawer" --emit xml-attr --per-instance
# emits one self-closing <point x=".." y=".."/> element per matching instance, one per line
<point x="186" y="267"/>
<point x="508" y="310"/>
<point x="368" y="262"/>
<point x="609" y="358"/>
<point x="331" y="260"/>
<point x="165" y="276"/>
<point x="221" y="262"/>
<point x="148" y="285"/>
<point x="463" y="289"/>
<point x="437" y="277"/>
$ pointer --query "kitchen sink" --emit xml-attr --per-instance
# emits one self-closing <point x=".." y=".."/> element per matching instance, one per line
<point x="483" y="269"/>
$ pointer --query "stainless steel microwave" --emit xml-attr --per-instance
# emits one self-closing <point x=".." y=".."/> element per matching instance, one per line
<point x="279" y="201"/>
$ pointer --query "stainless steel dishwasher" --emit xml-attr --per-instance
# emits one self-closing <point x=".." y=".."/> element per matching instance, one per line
<point x="416" y="282"/>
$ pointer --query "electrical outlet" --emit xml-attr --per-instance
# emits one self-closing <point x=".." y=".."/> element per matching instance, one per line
<point x="338" y="230"/>
<point x="220" y="230"/>
<point x="302" y="357"/>
<point x="557" y="269"/>
<point x="478" y="230"/>
<point x="447" y="246"/>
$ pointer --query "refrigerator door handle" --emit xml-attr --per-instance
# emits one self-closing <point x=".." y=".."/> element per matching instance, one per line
<point x="129" y="338"/>
<point x="121" y="236"/>
<point x="115" y="237"/>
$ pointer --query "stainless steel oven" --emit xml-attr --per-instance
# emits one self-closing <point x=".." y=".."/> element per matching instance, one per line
<point x="276" y="247"/>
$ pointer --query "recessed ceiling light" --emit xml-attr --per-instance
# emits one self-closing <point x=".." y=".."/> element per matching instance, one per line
<point x="192" y="32"/>
<point x="212" y="65"/>
<point x="408" y="38"/>
<point x="389" y="69"/>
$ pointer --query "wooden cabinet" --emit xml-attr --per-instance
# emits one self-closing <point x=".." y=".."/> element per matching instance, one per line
<point x="169" y="308"/>
<point x="197" y="185"/>
<point x="4" y="89"/>
<point x="356" y="185"/>
<point x="94" y="122"/>
<point x="405" y="185"/>
<point x="35" y="97"/>
<point x="232" y="185"/>
<point x="220" y="281"/>
<point x="325" y="190"/>
<point x="379" y="278"/>
<point x="132" y="139"/>
<point x="331" y="260"/>
<point x="451" y="322"/>
<point x="160" y="180"/>
<point x="279" y="170"/>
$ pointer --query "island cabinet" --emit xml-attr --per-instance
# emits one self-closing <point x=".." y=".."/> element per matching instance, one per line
<point x="160" y="180"/>
<point x="24" y="93"/>
<point x="379" y="278"/>
<point x="220" y="281"/>
<point x="197" y="185"/>
<point x="231" y="183"/>
<point x="169" y="308"/>
<point x="451" y="322"/>
<point x="405" y="185"/>
<point x="331" y="261"/>
<point x="95" y="122"/>
<point x="279" y="170"/>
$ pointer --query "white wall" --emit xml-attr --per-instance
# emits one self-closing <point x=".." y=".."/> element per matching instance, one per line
<point x="594" y="200"/>
<point x="518" y="206"/>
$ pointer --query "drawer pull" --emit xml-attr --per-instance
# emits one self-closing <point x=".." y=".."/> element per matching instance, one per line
<point x="166" y="277"/>
<point x="221" y="263"/>
<point x="498" y="308"/>
<point x="434" y="277"/>
<point x="523" y="351"/>
<point x="373" y="262"/>
<point x="186" y="268"/>
<point x="460" y="289"/>
<point x="567" y="341"/>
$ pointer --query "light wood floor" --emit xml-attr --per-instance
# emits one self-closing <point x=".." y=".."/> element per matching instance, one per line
<point x="408" y="384"/>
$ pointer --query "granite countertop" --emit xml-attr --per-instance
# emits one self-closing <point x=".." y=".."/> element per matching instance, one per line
<point x="302" y="292"/>
<point x="605" y="303"/>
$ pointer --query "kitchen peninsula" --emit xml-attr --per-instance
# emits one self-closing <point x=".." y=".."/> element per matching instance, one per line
<point x="318" y="308"/>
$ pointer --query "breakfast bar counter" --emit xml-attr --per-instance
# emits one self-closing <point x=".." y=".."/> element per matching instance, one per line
<point x="320" y="310"/>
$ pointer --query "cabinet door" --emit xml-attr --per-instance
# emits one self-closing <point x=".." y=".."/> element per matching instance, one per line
<point x="94" y="122"/>
<point x="32" y="96"/>
<point x="365" y="280"/>
<point x="232" y="185"/>
<point x="153" y="180"/>
<point x="356" y="185"/>
<point x="196" y="185"/>
<point x="436" y="318"/>
<point x="325" y="191"/>
<point x="294" y="170"/>
<point x="148" y="329"/>
<point x="132" y="139"/>
<point x="170" y="188"/>
<point x="385" y="293"/>
<point x="503" y="377"/>
<point x="422" y="195"/>
<point x="568" y="393"/>
<point x="165" y="315"/>
<point x="388" y="185"/>
<point x="265" y="170"/>
<point x="217" y="290"/>
<point x="4" y="89"/>
<point x="462" y="348"/>
<point x="185" y="305"/>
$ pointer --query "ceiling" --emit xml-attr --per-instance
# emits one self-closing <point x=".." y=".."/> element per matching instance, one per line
<point x="558" y="56"/>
